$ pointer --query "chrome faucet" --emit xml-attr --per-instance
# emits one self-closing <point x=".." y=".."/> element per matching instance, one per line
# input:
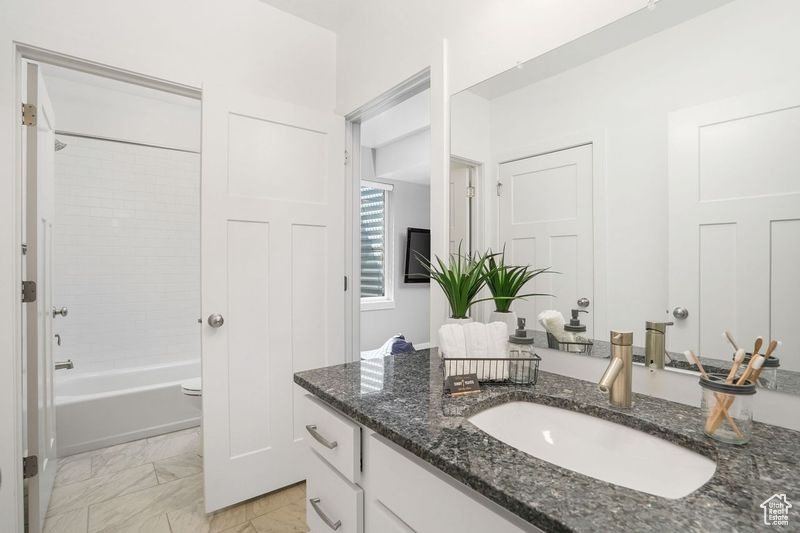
<point x="655" y="344"/>
<point x="617" y="378"/>
<point x="65" y="365"/>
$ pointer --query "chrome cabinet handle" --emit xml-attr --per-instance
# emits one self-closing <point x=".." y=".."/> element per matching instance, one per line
<point x="331" y="524"/>
<point x="583" y="302"/>
<point x="311" y="428"/>
<point x="215" y="320"/>
<point x="681" y="313"/>
<point x="63" y="312"/>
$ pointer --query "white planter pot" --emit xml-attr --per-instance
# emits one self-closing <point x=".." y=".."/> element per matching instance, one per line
<point x="459" y="320"/>
<point x="510" y="318"/>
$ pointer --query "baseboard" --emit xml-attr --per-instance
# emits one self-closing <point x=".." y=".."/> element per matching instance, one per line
<point x="105" y="442"/>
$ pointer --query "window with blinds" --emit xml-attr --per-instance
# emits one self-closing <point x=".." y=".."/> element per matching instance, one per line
<point x="373" y="242"/>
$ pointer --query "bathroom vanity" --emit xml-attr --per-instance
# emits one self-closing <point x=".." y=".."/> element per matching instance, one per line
<point x="390" y="452"/>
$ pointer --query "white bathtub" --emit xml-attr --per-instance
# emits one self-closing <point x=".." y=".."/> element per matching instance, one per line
<point x="99" y="409"/>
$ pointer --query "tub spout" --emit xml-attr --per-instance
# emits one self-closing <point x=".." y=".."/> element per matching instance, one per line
<point x="65" y="365"/>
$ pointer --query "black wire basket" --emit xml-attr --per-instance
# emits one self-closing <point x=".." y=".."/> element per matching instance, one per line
<point x="581" y="347"/>
<point x="521" y="371"/>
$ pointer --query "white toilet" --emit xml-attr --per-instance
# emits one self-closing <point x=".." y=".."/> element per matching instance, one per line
<point x="194" y="389"/>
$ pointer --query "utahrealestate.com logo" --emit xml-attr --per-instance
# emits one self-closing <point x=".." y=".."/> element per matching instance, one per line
<point x="776" y="510"/>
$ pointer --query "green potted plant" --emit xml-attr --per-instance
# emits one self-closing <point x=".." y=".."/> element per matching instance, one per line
<point x="505" y="283"/>
<point x="461" y="278"/>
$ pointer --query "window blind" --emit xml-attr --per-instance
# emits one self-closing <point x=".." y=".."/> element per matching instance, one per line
<point x="373" y="242"/>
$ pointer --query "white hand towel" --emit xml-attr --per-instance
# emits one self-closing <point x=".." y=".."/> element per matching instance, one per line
<point x="553" y="322"/>
<point x="452" y="344"/>
<point x="476" y="340"/>
<point x="497" y="333"/>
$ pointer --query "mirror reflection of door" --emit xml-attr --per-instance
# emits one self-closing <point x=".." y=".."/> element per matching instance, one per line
<point x="40" y="209"/>
<point x="735" y="222"/>
<point x="461" y="193"/>
<point x="546" y="221"/>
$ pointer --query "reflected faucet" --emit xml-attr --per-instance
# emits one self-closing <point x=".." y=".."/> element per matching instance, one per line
<point x="617" y="379"/>
<point x="655" y="344"/>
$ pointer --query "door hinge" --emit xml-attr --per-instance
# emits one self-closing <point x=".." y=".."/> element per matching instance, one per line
<point x="470" y="192"/>
<point x="28" y="115"/>
<point x="345" y="283"/>
<point x="346" y="157"/>
<point x="30" y="466"/>
<point x="28" y="291"/>
<point x="499" y="188"/>
<point x="24" y="249"/>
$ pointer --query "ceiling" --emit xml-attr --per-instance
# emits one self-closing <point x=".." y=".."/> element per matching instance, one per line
<point x="325" y="13"/>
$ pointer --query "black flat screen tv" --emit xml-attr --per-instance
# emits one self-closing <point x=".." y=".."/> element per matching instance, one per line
<point x="418" y="243"/>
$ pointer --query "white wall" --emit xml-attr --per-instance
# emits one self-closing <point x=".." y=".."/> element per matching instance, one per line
<point x="106" y="108"/>
<point x="382" y="42"/>
<point x="127" y="254"/>
<point x="409" y="207"/>
<point x="194" y="43"/>
<point x="628" y="95"/>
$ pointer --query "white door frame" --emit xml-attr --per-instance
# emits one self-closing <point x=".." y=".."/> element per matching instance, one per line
<point x="597" y="138"/>
<point x="12" y="480"/>
<point x="401" y="92"/>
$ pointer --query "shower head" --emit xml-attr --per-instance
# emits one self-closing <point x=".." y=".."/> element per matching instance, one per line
<point x="60" y="145"/>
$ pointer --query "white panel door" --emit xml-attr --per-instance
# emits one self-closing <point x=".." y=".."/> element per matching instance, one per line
<point x="460" y="208"/>
<point x="734" y="223"/>
<point x="40" y="210"/>
<point x="546" y="221"/>
<point x="273" y="268"/>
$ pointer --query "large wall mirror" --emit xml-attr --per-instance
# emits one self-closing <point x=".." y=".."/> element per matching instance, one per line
<point x="655" y="164"/>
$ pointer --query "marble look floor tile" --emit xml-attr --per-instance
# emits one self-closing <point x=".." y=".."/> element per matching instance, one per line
<point x="120" y="457"/>
<point x="247" y="527"/>
<point x="153" y="501"/>
<point x="142" y="523"/>
<point x="177" y="467"/>
<point x="70" y="522"/>
<point x="276" y="500"/>
<point x="94" y="490"/>
<point x="289" y="518"/>
<point x="179" y="443"/>
<point x="72" y="471"/>
<point x="193" y="519"/>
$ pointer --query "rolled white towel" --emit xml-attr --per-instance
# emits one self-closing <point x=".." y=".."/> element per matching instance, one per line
<point x="497" y="333"/>
<point x="452" y="344"/>
<point x="553" y="322"/>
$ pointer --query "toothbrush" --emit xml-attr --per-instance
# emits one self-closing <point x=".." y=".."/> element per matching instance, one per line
<point x="773" y="345"/>
<point x="757" y="346"/>
<point x="715" y="419"/>
<point x="691" y="355"/>
<point x="727" y="335"/>
<point x="737" y="361"/>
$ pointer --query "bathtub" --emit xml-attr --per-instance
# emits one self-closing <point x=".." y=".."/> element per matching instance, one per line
<point x="99" y="409"/>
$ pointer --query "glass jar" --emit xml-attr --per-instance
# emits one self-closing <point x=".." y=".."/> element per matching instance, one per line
<point x="768" y="378"/>
<point x="727" y="409"/>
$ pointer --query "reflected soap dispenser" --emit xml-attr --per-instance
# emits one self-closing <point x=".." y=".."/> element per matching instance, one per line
<point x="575" y="322"/>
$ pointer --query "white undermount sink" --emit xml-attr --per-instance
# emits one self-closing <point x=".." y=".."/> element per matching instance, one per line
<point x="597" y="448"/>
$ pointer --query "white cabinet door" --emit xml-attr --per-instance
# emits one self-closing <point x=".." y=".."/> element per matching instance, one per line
<point x="546" y="221"/>
<point x="273" y="268"/>
<point x="734" y="223"/>
<point x="40" y="212"/>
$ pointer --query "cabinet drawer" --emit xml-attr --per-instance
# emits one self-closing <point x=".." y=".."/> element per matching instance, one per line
<point x="335" y="437"/>
<point x="331" y="500"/>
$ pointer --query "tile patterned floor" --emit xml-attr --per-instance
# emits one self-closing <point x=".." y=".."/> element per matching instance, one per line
<point x="155" y="485"/>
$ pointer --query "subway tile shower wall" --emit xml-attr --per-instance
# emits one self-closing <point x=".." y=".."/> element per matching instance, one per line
<point x="126" y="254"/>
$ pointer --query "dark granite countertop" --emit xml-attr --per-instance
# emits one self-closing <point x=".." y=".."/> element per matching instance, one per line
<point x="400" y="397"/>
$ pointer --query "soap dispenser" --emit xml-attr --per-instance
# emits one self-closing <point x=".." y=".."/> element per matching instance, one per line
<point x="575" y="323"/>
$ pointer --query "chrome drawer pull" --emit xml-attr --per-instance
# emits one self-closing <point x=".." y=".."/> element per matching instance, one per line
<point x="311" y="428"/>
<point x="331" y="524"/>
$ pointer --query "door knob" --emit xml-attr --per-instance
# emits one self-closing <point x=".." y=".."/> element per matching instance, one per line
<point x="215" y="320"/>
<point x="583" y="302"/>
<point x="681" y="313"/>
<point x="63" y="312"/>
